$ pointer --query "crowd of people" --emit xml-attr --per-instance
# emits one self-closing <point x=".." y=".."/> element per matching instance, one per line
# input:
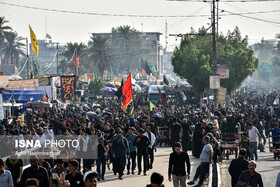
<point x="126" y="143"/>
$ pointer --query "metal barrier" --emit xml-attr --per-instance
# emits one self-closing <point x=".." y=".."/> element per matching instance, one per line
<point x="214" y="179"/>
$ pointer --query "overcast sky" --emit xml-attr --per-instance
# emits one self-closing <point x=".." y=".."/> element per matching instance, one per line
<point x="65" y="27"/>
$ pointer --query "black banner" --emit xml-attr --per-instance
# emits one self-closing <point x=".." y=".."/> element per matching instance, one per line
<point x="68" y="85"/>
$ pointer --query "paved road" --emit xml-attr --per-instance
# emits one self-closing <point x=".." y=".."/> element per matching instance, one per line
<point x="160" y="165"/>
<point x="266" y="166"/>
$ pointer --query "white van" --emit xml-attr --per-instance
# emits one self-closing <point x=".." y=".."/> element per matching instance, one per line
<point x="153" y="94"/>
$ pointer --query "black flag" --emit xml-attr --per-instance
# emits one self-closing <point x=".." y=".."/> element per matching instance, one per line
<point x="165" y="81"/>
<point x="119" y="91"/>
<point x="147" y="69"/>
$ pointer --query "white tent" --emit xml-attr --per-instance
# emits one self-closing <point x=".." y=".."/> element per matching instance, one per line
<point x="14" y="77"/>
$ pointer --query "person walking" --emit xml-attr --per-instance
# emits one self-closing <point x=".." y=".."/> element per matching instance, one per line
<point x="253" y="137"/>
<point x="74" y="177"/>
<point x="151" y="148"/>
<point x="206" y="157"/>
<point x="103" y="149"/>
<point x="177" y="166"/>
<point x="6" y="179"/>
<point x="132" y="149"/>
<point x="237" y="166"/>
<point x="142" y="143"/>
<point x="120" y="151"/>
<point x="250" y="177"/>
<point x="261" y="128"/>
<point x="275" y="139"/>
<point x="175" y="132"/>
<point x="15" y="165"/>
<point x="35" y="171"/>
<point x="186" y="126"/>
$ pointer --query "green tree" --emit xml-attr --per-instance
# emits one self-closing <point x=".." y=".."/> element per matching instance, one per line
<point x="95" y="85"/>
<point x="100" y="53"/>
<point x="79" y="49"/>
<point x="127" y="42"/>
<point x="12" y="48"/>
<point x="192" y="60"/>
<point x="3" y="29"/>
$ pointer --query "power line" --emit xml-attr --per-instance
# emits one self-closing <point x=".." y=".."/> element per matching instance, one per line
<point x="250" y="17"/>
<point x="118" y="15"/>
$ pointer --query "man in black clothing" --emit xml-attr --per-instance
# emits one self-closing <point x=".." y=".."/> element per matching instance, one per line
<point x="250" y="177"/>
<point x="177" y="168"/>
<point x="186" y="126"/>
<point x="174" y="132"/>
<point x="35" y="171"/>
<point x="74" y="177"/>
<point x="15" y="166"/>
<point x="156" y="180"/>
<point x="142" y="143"/>
<point x="237" y="166"/>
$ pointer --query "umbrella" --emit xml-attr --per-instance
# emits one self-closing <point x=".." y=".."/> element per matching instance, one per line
<point x="106" y="89"/>
<point x="157" y="116"/>
<point x="115" y="83"/>
<point x="141" y="84"/>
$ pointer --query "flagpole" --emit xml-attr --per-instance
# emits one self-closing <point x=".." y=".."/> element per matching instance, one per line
<point x="27" y="56"/>
<point x="57" y="59"/>
<point x="77" y="68"/>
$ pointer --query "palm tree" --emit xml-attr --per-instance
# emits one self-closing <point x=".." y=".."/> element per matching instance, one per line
<point x="101" y="53"/>
<point x="3" y="29"/>
<point x="79" y="49"/>
<point x="125" y="39"/>
<point x="12" y="48"/>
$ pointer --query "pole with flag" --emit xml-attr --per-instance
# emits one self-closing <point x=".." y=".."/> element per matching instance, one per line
<point x="143" y="67"/>
<point x="119" y="91"/>
<point x="127" y="92"/>
<point x="131" y="113"/>
<point x="34" y="42"/>
<point x="147" y="68"/>
<point x="151" y="106"/>
<point x="161" y="96"/>
<point x="165" y="81"/>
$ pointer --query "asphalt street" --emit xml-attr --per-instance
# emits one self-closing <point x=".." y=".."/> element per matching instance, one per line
<point x="160" y="165"/>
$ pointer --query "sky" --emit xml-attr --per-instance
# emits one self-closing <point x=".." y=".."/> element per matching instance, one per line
<point x="66" y="27"/>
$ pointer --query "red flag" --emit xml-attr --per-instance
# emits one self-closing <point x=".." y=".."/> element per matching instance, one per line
<point x="29" y="70"/>
<point x="74" y="59"/>
<point x="78" y="61"/>
<point x="127" y="92"/>
<point x="144" y="72"/>
<point x="155" y="78"/>
<point x="68" y="70"/>
<point x="161" y="96"/>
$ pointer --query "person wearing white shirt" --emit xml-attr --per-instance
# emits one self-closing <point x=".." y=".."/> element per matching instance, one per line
<point x="151" y="147"/>
<point x="253" y="137"/>
<point x="6" y="179"/>
<point x="82" y="149"/>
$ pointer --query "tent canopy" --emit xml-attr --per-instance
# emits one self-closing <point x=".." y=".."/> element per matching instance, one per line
<point x="22" y="96"/>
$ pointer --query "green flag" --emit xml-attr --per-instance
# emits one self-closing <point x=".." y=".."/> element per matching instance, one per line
<point x="154" y="69"/>
<point x="152" y="106"/>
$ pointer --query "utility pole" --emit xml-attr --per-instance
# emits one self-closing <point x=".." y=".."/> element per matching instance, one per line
<point x="218" y="17"/>
<point x="27" y="57"/>
<point x="214" y="60"/>
<point x="57" y="59"/>
<point x="166" y="35"/>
